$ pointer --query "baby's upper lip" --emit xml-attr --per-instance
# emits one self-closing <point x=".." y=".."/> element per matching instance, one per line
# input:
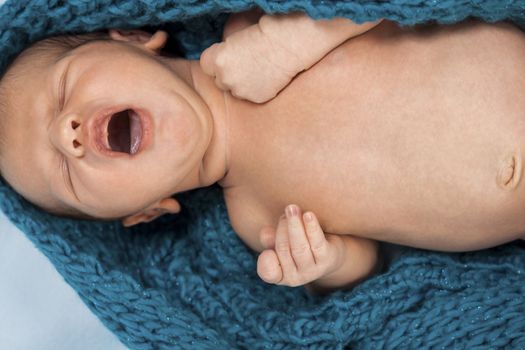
<point x="98" y="126"/>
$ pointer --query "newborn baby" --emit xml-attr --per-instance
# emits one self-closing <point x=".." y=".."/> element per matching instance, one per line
<point x="406" y="135"/>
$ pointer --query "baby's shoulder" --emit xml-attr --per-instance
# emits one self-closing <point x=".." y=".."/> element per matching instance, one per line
<point x="247" y="216"/>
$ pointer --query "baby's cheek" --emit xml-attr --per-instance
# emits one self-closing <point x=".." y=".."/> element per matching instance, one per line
<point x="108" y="196"/>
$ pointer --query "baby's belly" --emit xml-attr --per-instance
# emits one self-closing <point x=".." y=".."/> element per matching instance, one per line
<point x="359" y="138"/>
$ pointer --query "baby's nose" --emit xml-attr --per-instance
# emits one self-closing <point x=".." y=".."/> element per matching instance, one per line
<point x="66" y="135"/>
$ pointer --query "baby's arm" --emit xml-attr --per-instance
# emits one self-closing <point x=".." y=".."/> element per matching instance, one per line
<point x="259" y="60"/>
<point x="298" y="253"/>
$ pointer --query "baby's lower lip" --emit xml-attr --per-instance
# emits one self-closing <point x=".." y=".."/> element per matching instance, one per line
<point x="146" y="129"/>
<point x="135" y="132"/>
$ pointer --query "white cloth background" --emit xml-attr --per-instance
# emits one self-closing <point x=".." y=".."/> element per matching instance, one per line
<point x="38" y="310"/>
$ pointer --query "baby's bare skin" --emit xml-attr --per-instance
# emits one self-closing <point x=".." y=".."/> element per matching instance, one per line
<point x="408" y="136"/>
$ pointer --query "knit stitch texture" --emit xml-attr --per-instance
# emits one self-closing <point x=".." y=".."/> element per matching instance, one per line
<point x="188" y="282"/>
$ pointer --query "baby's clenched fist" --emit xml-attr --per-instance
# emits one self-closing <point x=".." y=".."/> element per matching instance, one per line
<point x="298" y="251"/>
<point x="250" y="64"/>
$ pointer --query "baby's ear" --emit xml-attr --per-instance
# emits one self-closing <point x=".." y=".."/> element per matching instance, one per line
<point x="163" y="206"/>
<point x="152" y="42"/>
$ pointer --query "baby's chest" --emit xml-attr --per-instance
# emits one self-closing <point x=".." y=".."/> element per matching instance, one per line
<point x="311" y="147"/>
<point x="316" y="176"/>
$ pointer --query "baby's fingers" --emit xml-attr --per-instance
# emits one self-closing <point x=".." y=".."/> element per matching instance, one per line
<point x="214" y="63"/>
<point x="207" y="60"/>
<point x="269" y="267"/>
<point x="282" y="248"/>
<point x="316" y="237"/>
<point x="299" y="245"/>
<point x="267" y="237"/>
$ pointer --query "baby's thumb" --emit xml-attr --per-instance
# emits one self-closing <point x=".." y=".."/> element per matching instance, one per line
<point x="208" y="58"/>
<point x="267" y="237"/>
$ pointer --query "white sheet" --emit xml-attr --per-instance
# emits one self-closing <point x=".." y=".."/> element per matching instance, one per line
<point x="38" y="310"/>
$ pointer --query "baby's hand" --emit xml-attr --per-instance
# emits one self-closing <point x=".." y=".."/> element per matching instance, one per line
<point x="251" y="65"/>
<point x="298" y="252"/>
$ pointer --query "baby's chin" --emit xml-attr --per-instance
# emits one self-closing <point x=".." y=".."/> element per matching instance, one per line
<point x="69" y="213"/>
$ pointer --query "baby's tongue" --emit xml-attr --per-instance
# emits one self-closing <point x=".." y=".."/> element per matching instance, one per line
<point x="135" y="132"/>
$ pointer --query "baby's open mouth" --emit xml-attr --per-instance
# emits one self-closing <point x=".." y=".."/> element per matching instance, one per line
<point x="125" y="132"/>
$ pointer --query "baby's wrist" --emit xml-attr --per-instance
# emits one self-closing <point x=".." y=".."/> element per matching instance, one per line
<point x="357" y="260"/>
<point x="336" y="276"/>
<point x="332" y="282"/>
<point x="285" y="36"/>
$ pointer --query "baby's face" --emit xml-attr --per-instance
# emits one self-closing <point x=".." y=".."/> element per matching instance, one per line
<point x="105" y="130"/>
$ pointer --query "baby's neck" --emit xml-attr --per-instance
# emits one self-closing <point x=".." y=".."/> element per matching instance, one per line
<point x="215" y="162"/>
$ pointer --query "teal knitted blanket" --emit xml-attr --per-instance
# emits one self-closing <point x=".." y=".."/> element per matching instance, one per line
<point x="187" y="281"/>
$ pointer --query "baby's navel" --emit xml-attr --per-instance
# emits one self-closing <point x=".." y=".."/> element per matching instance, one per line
<point x="509" y="173"/>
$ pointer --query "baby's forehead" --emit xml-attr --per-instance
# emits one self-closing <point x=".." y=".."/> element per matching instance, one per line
<point x="28" y="68"/>
<point x="43" y="53"/>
